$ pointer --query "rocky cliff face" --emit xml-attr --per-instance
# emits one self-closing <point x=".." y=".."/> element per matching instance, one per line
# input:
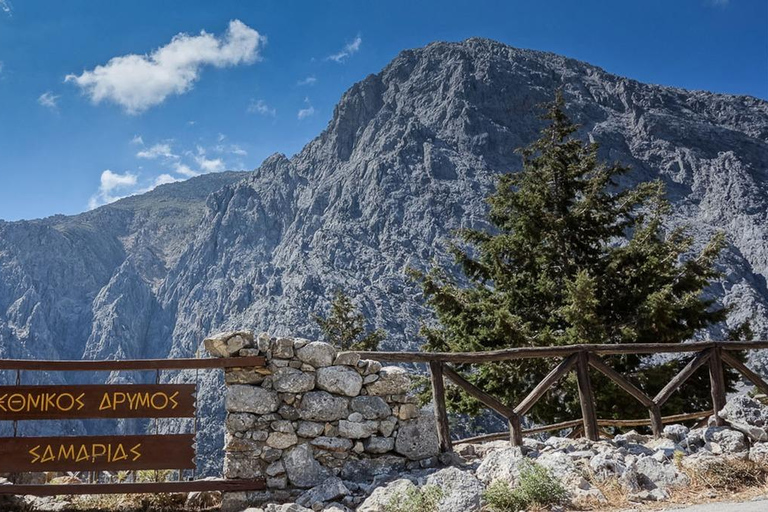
<point x="409" y="155"/>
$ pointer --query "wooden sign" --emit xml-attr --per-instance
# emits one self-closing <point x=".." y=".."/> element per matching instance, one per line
<point x="97" y="401"/>
<point x="102" y="453"/>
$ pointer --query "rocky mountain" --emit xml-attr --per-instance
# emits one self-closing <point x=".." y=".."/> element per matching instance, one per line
<point x="410" y="154"/>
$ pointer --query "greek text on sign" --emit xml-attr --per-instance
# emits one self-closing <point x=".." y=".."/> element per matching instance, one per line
<point x="97" y="453"/>
<point x="97" y="401"/>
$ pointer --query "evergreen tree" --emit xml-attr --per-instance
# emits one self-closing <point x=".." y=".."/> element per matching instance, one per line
<point x="573" y="259"/>
<point x="344" y="328"/>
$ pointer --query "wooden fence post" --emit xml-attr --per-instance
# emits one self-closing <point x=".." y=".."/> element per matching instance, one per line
<point x="586" y="397"/>
<point x="515" y="431"/>
<point x="717" y="381"/>
<point x="441" y="416"/>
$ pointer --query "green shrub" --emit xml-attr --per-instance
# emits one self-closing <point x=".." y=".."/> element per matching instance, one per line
<point x="415" y="499"/>
<point x="537" y="486"/>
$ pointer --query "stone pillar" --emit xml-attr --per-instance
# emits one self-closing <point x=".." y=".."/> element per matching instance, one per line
<point x="317" y="419"/>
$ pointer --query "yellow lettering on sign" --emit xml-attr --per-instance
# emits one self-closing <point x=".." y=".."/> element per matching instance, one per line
<point x="143" y="400"/>
<point x="2" y="403"/>
<point x="34" y="453"/>
<point x="135" y="452"/>
<point x="98" y="450"/>
<point x="48" y="454"/>
<point x="163" y="401"/>
<point x="117" y="398"/>
<point x="66" y="452"/>
<point x="105" y="402"/>
<point x="79" y="401"/>
<point x="16" y="403"/>
<point x="119" y="453"/>
<point x="34" y="402"/>
<point x="172" y="398"/>
<point x="65" y="397"/>
<point x="82" y="454"/>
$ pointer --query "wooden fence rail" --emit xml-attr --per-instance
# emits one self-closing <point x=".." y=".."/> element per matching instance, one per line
<point x="580" y="358"/>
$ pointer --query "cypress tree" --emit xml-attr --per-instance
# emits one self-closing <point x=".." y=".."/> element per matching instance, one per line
<point x="573" y="258"/>
<point x="344" y="328"/>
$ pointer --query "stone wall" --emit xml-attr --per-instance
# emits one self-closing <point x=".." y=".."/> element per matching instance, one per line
<point x="313" y="416"/>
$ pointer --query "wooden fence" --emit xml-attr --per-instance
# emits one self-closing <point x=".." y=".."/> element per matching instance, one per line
<point x="16" y="455"/>
<point x="580" y="358"/>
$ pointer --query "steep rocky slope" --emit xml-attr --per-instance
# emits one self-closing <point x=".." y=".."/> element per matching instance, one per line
<point x="409" y="155"/>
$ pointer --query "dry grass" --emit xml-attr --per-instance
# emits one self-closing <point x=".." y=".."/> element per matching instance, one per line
<point x="723" y="479"/>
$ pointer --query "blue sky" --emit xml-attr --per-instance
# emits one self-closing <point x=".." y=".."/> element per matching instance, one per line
<point x="102" y="99"/>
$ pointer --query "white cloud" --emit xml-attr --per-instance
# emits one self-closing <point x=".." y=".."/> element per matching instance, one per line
<point x="210" y="165"/>
<point x="237" y="150"/>
<point x="157" y="151"/>
<point x="185" y="170"/>
<point x="348" y="50"/>
<point x="162" y="180"/>
<point x="48" y="100"/>
<point x="260" y="107"/>
<point x="137" y="140"/>
<point x="138" y="82"/>
<point x="310" y="80"/>
<point x="308" y="111"/>
<point x="111" y="188"/>
<point x="7" y="7"/>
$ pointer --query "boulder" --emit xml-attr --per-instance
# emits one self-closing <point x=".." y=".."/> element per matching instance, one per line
<point x="329" y="490"/>
<point x="500" y="465"/>
<point x="354" y="430"/>
<point x="748" y="416"/>
<point x="462" y="491"/>
<point x="322" y="406"/>
<point x="302" y="469"/>
<point x="371" y="407"/>
<point x="417" y="438"/>
<point x="393" y="380"/>
<point x="379" y="445"/>
<point x="381" y="496"/>
<point x="282" y="348"/>
<point x="366" y="470"/>
<point x="257" y="400"/>
<point x="281" y="440"/>
<point x="652" y="473"/>
<point x="332" y="444"/>
<point x="291" y="380"/>
<point x="227" y="344"/>
<point x="310" y="429"/>
<point x="341" y="380"/>
<point x="317" y="354"/>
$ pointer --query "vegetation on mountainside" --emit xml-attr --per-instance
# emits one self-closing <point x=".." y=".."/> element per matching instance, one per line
<point x="574" y="258"/>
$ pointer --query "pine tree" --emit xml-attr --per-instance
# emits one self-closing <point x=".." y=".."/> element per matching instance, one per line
<point x="344" y="328"/>
<point x="572" y="258"/>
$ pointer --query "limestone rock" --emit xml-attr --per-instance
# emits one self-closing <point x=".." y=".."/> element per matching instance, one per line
<point x="393" y="380"/>
<point x="317" y="354"/>
<point x="291" y="380"/>
<point x="302" y="469"/>
<point x="462" y="491"/>
<point x="244" y="398"/>
<point x="417" y="438"/>
<point x="379" y="445"/>
<point x="353" y="430"/>
<point x="500" y="465"/>
<point x="329" y="490"/>
<point x="381" y="496"/>
<point x="371" y="407"/>
<point x="322" y="406"/>
<point x="340" y="380"/>
<point x="748" y="416"/>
